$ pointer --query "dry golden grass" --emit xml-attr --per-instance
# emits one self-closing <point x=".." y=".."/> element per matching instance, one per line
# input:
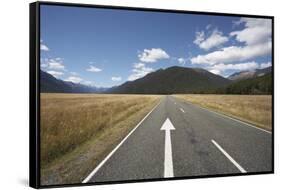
<point x="255" y="109"/>
<point x="78" y="130"/>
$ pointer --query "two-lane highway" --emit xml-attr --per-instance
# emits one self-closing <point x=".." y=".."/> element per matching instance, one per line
<point x="178" y="139"/>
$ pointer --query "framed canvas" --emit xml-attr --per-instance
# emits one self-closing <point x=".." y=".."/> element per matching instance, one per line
<point x="121" y="94"/>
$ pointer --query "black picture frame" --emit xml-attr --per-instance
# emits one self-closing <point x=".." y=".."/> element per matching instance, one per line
<point x="34" y="90"/>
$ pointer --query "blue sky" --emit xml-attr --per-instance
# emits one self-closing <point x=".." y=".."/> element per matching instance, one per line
<point x="104" y="48"/>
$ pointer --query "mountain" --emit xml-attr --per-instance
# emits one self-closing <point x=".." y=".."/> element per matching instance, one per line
<point x="50" y="84"/>
<point x="170" y="81"/>
<point x="249" y="74"/>
<point x="257" y="85"/>
<point x="173" y="80"/>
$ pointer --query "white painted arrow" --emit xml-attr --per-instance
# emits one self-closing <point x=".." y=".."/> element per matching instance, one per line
<point x="168" y="162"/>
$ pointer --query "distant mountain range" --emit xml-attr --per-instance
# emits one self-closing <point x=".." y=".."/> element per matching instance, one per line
<point x="174" y="80"/>
<point x="255" y="85"/>
<point x="249" y="74"/>
<point x="48" y="83"/>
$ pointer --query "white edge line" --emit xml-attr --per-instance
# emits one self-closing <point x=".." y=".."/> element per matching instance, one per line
<point x="242" y="170"/>
<point x="116" y="148"/>
<point x="249" y="125"/>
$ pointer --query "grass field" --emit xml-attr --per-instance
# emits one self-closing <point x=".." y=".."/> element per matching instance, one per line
<point x="78" y="130"/>
<point x="256" y="109"/>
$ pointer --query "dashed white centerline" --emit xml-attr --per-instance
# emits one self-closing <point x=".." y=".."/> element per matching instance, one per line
<point x="182" y="110"/>
<point x="242" y="170"/>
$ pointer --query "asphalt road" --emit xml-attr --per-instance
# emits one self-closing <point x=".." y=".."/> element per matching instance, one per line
<point x="202" y="143"/>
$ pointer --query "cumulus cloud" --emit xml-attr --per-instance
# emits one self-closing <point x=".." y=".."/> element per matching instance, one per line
<point x="199" y="37"/>
<point x="139" y="70"/>
<point x="215" y="39"/>
<point x="256" y="31"/>
<point x="116" y="78"/>
<point x="247" y="66"/>
<point x="74" y="79"/>
<point x="93" y="69"/>
<point x="44" y="65"/>
<point x="139" y="65"/>
<point x="52" y="63"/>
<point x="152" y="55"/>
<point x="233" y="54"/>
<point x="56" y="74"/>
<point x="181" y="60"/>
<point x="43" y="47"/>
<point x="221" y="67"/>
<point x="252" y="41"/>
<point x="56" y="65"/>
<point x="264" y="65"/>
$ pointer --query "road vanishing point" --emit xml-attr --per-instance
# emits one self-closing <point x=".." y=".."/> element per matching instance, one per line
<point x="179" y="139"/>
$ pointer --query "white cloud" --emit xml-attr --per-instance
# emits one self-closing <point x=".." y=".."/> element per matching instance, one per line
<point x="199" y="37"/>
<point x="139" y="70"/>
<point x="44" y="65"/>
<point x="59" y="59"/>
<point x="93" y="69"/>
<point x="55" y="65"/>
<point x="264" y="65"/>
<point x="233" y="54"/>
<point x="52" y="63"/>
<point x="55" y="73"/>
<point x="256" y="31"/>
<point x="152" y="55"/>
<point x="74" y="79"/>
<point x="247" y="66"/>
<point x="215" y="39"/>
<point x="256" y="39"/>
<point x="43" y="47"/>
<point x="116" y="78"/>
<point x="181" y="61"/>
<point x="238" y="66"/>
<point x="139" y="65"/>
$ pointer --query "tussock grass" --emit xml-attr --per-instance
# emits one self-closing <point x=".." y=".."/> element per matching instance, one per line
<point x="256" y="109"/>
<point x="78" y="130"/>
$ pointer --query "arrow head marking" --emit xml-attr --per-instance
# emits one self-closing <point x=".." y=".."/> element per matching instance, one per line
<point x="167" y="125"/>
